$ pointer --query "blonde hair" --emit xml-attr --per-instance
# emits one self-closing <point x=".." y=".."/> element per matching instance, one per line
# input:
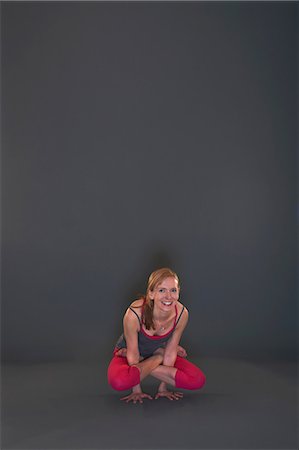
<point x="154" y="280"/>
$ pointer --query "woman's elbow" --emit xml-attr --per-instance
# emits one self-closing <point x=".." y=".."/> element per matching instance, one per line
<point x="169" y="358"/>
<point x="132" y="358"/>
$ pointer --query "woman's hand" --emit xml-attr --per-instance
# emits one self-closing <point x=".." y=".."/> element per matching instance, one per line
<point x="121" y="352"/>
<point x="181" y="352"/>
<point x="169" y="394"/>
<point x="164" y="392"/>
<point x="159" y="351"/>
<point x="136" y="397"/>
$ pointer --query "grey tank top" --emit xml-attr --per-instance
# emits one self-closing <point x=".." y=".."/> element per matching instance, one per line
<point x="148" y="344"/>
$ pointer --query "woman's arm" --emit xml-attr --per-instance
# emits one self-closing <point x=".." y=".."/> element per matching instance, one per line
<point x="170" y="355"/>
<point x="131" y="328"/>
<point x="171" y="348"/>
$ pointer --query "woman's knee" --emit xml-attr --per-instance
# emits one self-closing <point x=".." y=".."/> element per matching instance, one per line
<point x="119" y="384"/>
<point x="193" y="381"/>
<point x="124" y="379"/>
<point x="198" y="381"/>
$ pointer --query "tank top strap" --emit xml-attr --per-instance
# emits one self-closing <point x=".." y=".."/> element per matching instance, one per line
<point x="179" y="316"/>
<point x="176" y="314"/>
<point x="135" y="314"/>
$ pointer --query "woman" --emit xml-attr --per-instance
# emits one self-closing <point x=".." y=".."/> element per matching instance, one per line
<point x="152" y="329"/>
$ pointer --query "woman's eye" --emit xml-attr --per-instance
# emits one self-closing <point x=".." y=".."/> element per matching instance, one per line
<point x="174" y="290"/>
<point x="162" y="290"/>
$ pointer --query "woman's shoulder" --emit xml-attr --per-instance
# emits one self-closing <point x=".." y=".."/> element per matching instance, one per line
<point x="182" y="309"/>
<point x="135" y="309"/>
<point x="134" y="312"/>
<point x="137" y="303"/>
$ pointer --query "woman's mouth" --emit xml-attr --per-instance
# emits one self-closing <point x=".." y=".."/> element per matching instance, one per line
<point x="167" y="303"/>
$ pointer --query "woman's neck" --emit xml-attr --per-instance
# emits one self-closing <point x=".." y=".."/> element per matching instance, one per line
<point x="162" y="316"/>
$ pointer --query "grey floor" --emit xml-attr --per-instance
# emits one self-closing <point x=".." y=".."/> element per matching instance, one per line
<point x="244" y="405"/>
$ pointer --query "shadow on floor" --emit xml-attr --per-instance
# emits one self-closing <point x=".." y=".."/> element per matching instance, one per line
<point x="70" y="406"/>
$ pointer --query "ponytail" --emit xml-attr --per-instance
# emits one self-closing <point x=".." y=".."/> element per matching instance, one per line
<point x="148" y="310"/>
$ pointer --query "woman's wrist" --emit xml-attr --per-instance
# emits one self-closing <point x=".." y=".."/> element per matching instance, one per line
<point x="169" y="360"/>
<point x="136" y="388"/>
<point x="162" y="386"/>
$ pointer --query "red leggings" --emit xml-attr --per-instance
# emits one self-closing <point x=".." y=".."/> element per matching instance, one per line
<point x="121" y="376"/>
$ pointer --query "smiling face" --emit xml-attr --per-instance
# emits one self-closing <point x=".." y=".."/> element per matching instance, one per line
<point x="165" y="294"/>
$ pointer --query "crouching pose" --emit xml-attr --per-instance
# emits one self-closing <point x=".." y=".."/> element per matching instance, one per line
<point x="152" y="329"/>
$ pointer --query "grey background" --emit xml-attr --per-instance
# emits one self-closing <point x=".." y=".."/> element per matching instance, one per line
<point x="138" y="135"/>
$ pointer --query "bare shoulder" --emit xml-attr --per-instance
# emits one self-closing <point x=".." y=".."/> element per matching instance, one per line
<point x="137" y="303"/>
<point x="182" y="307"/>
<point x="131" y="315"/>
